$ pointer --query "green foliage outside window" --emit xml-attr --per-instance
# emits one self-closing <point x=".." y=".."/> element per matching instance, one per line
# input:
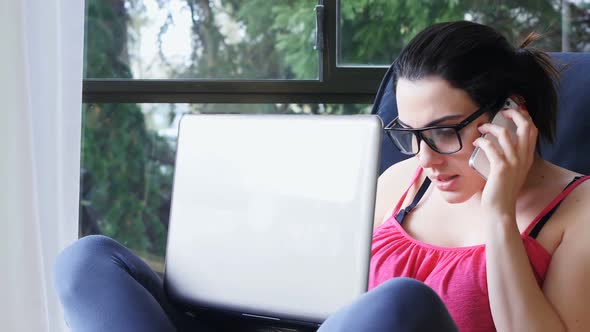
<point x="122" y="185"/>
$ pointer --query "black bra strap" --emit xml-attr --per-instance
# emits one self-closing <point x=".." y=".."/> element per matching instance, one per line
<point x="535" y="232"/>
<point x="402" y="213"/>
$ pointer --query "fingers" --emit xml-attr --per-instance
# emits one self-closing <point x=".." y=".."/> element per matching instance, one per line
<point x="526" y="131"/>
<point x="503" y="137"/>
<point x="505" y="148"/>
<point x="492" y="151"/>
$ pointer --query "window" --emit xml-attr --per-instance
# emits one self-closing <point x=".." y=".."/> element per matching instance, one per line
<point x="147" y="62"/>
<point x="178" y="39"/>
<point x="374" y="34"/>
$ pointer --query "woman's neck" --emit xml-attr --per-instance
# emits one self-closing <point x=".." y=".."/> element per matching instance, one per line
<point x="539" y="171"/>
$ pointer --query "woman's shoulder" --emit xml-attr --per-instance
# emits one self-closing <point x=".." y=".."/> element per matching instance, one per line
<point x="560" y="176"/>
<point x="391" y="186"/>
<point x="575" y="201"/>
<point x="402" y="170"/>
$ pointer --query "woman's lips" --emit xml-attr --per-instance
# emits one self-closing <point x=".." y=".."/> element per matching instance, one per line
<point x="445" y="182"/>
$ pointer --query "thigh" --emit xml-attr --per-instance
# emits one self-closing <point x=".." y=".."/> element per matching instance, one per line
<point x="400" y="305"/>
<point x="105" y="287"/>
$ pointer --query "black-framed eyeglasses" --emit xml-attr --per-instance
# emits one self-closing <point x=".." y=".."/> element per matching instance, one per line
<point x="442" y="139"/>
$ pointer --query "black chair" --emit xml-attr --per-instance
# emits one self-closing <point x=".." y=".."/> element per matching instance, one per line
<point x="571" y="147"/>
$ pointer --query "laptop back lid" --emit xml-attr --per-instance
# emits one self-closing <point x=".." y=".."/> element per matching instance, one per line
<point x="272" y="215"/>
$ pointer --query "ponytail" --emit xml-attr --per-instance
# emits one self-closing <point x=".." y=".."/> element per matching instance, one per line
<point x="535" y="79"/>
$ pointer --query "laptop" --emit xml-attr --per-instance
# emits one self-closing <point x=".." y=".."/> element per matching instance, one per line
<point x="272" y="215"/>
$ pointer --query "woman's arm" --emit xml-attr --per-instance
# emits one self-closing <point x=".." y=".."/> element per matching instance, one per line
<point x="563" y="304"/>
<point x="516" y="301"/>
<point x="567" y="284"/>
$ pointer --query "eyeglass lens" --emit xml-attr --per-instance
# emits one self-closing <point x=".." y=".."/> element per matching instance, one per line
<point x="443" y="140"/>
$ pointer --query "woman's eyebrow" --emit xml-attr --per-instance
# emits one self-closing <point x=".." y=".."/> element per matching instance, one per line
<point x="434" y="122"/>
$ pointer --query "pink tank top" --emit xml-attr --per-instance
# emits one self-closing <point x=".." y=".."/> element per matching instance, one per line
<point x="457" y="275"/>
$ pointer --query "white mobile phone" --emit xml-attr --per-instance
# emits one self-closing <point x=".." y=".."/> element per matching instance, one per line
<point x="478" y="160"/>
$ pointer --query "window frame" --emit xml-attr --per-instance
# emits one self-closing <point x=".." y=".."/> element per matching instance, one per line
<point x="335" y="84"/>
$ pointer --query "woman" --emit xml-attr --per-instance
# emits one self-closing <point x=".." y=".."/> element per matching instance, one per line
<point x="500" y="254"/>
<point x="463" y="253"/>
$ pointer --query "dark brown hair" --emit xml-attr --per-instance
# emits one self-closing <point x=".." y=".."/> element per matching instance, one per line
<point x="479" y="60"/>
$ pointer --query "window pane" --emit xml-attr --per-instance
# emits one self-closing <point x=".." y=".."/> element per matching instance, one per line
<point x="374" y="32"/>
<point x="224" y="39"/>
<point x="128" y="153"/>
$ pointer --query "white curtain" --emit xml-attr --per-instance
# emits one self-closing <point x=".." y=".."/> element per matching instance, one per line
<point x="40" y="112"/>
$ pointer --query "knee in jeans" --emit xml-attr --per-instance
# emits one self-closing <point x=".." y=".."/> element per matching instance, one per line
<point x="404" y="293"/>
<point x="73" y="264"/>
<point x="409" y="305"/>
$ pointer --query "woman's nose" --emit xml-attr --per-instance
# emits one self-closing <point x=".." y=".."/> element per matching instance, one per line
<point x="427" y="157"/>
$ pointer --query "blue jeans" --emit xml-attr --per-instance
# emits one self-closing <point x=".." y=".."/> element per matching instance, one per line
<point x="104" y="287"/>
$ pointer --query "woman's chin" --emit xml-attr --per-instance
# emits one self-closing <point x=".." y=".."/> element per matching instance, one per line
<point x="460" y="188"/>
<point x="455" y="197"/>
<point x="459" y="196"/>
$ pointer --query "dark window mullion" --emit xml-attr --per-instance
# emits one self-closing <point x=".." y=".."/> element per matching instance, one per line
<point x="230" y="87"/>
<point x="210" y="91"/>
<point x="230" y="98"/>
<point x="367" y="74"/>
<point x="329" y="56"/>
<point x="322" y="53"/>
